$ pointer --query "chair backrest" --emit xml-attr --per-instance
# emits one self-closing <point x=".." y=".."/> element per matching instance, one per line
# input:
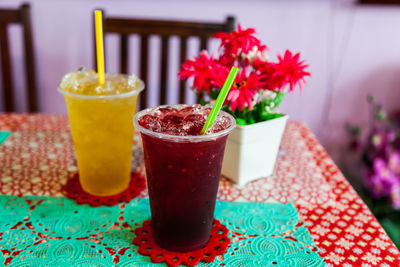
<point x="20" y="16"/>
<point x="165" y="29"/>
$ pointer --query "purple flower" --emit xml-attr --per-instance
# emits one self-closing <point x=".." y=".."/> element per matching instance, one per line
<point x="394" y="162"/>
<point x="395" y="196"/>
<point x="380" y="153"/>
<point x="381" y="179"/>
<point x="378" y="139"/>
<point x="378" y="143"/>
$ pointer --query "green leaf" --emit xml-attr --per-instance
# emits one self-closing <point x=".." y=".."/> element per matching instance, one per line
<point x="264" y="115"/>
<point x="395" y="216"/>
<point x="251" y="120"/>
<point x="381" y="207"/>
<point x="202" y="102"/>
<point x="271" y="116"/>
<point x="213" y="94"/>
<point x="392" y="229"/>
<point x="228" y="110"/>
<point x="255" y="112"/>
<point x="278" y="99"/>
<point x="381" y="115"/>
<point x="354" y="130"/>
<point x="240" y="121"/>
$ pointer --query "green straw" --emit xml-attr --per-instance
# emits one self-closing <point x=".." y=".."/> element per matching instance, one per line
<point x="220" y="100"/>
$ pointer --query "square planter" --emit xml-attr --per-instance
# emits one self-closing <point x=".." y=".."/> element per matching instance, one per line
<point x="251" y="150"/>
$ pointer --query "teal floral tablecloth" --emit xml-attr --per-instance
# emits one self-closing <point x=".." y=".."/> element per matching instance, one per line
<point x="54" y="231"/>
<point x="3" y="136"/>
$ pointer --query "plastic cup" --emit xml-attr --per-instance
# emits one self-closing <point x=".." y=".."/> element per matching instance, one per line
<point x="182" y="176"/>
<point x="102" y="133"/>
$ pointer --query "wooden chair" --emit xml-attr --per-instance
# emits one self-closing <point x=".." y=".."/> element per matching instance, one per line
<point x="144" y="28"/>
<point x="20" y="16"/>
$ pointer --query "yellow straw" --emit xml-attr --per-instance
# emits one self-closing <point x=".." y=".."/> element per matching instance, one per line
<point x="98" y="21"/>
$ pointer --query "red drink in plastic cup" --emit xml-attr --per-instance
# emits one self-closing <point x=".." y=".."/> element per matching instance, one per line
<point x="183" y="173"/>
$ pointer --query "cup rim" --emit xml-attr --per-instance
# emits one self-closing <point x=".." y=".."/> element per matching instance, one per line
<point x="179" y="138"/>
<point x="126" y="94"/>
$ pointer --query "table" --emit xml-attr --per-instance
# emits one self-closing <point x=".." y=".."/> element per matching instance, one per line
<point x="37" y="159"/>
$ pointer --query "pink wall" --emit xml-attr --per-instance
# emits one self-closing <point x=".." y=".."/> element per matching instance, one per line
<point x="351" y="50"/>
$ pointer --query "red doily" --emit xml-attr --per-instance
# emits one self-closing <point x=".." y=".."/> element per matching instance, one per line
<point x="217" y="245"/>
<point x="73" y="190"/>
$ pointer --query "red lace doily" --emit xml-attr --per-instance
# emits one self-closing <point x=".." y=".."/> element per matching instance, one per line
<point x="217" y="245"/>
<point x="73" y="190"/>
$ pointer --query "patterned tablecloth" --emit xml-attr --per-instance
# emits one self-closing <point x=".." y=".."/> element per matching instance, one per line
<point x="37" y="159"/>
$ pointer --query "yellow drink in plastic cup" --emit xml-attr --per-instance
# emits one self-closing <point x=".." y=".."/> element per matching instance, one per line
<point x="102" y="128"/>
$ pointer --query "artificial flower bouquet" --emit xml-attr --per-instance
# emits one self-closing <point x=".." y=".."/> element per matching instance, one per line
<point x="260" y="84"/>
<point x="378" y="153"/>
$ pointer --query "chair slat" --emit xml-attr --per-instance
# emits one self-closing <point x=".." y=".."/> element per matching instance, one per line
<point x="22" y="17"/>
<point x="164" y="29"/>
<point x="164" y="70"/>
<point x="8" y="16"/>
<point x="29" y="60"/>
<point x="144" y="56"/>
<point x="182" y="56"/>
<point x="203" y="44"/>
<point x="8" y="87"/>
<point x="229" y="24"/>
<point x="124" y="56"/>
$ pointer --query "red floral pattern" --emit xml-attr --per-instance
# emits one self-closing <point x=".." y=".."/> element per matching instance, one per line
<point x="297" y="177"/>
<point x="346" y="233"/>
<point x="217" y="245"/>
<point x="73" y="190"/>
<point x="37" y="159"/>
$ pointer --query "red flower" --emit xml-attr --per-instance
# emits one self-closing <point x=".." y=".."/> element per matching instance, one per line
<point x="205" y="70"/>
<point x="243" y="90"/>
<point x="289" y="70"/>
<point x="236" y="42"/>
<point x="270" y="80"/>
<point x="242" y="49"/>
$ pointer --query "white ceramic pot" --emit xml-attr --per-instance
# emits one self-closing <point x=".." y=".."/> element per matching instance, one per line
<point x="251" y="150"/>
